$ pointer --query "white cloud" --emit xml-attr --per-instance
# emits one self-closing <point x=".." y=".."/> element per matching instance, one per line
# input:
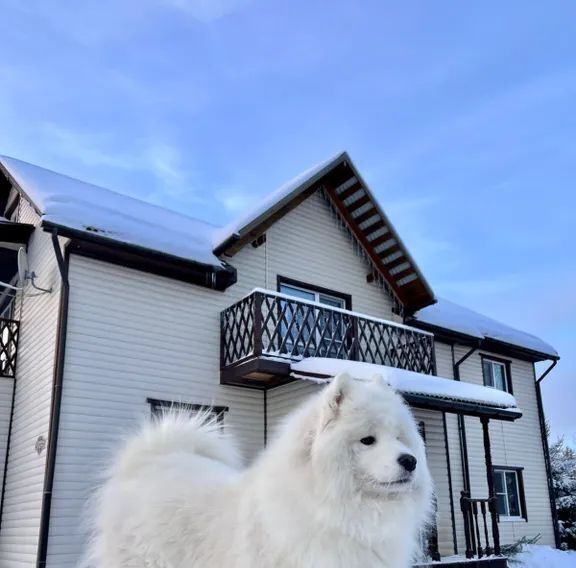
<point x="234" y="200"/>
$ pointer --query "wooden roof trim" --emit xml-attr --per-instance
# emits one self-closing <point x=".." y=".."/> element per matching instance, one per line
<point x="347" y="216"/>
<point x="350" y="191"/>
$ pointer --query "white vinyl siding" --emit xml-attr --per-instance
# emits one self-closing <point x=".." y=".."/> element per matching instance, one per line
<point x="132" y="336"/>
<point x="514" y="444"/>
<point x="438" y="465"/>
<point x="6" y="388"/>
<point x="444" y="366"/>
<point x="38" y="317"/>
<point x="307" y="245"/>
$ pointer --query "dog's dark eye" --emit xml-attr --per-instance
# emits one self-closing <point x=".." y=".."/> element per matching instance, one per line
<point x="368" y="440"/>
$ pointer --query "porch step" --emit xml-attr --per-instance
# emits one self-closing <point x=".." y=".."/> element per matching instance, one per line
<point x="463" y="563"/>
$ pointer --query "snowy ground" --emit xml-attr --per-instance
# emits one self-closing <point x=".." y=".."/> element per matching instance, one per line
<point x="535" y="556"/>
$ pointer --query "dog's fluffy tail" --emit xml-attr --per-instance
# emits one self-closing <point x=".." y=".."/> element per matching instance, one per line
<point x="177" y="432"/>
<point x="174" y="433"/>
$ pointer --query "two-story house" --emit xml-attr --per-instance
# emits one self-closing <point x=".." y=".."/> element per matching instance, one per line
<point x="112" y="307"/>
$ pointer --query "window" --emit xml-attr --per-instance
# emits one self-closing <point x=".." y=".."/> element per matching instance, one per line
<point x="312" y="295"/>
<point x="509" y="489"/>
<point x="329" y="330"/>
<point x="496" y="374"/>
<point x="159" y="406"/>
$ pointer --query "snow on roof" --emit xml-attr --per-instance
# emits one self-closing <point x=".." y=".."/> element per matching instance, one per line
<point x="448" y="315"/>
<point x="276" y="198"/>
<point x="405" y="381"/>
<point x="95" y="210"/>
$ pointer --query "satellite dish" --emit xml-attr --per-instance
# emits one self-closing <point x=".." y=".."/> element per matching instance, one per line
<point x="22" y="267"/>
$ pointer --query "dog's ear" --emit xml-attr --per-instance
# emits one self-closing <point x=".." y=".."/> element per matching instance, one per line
<point x="380" y="381"/>
<point x="334" y="395"/>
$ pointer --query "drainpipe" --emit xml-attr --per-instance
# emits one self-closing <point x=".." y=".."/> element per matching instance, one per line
<point x="546" y="449"/>
<point x="56" y="404"/>
<point x="461" y="423"/>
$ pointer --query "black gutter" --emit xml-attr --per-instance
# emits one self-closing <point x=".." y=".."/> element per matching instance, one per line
<point x="460" y="407"/>
<point x="265" y="418"/>
<point x="225" y="245"/>
<point x="56" y="402"/>
<point x="546" y="449"/>
<point x="493" y="345"/>
<point x="148" y="260"/>
<point x="543" y="376"/>
<point x="450" y="489"/>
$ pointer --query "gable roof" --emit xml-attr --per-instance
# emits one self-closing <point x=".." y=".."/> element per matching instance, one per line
<point x="447" y="315"/>
<point x="350" y="196"/>
<point x="170" y="242"/>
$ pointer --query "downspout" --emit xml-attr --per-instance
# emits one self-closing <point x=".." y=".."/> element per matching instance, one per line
<point x="461" y="422"/>
<point x="56" y="403"/>
<point x="265" y="417"/>
<point x="546" y="449"/>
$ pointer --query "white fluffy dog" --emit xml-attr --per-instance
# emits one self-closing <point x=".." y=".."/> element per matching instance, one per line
<point x="344" y="485"/>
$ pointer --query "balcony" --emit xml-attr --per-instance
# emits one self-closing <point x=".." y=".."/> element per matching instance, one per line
<point x="266" y="331"/>
<point x="8" y="347"/>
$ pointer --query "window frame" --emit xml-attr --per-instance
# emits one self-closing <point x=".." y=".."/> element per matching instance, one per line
<point x="157" y="405"/>
<point x="506" y="364"/>
<point x="319" y="290"/>
<point x="518" y="471"/>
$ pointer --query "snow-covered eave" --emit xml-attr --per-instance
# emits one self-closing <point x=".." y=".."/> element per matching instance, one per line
<point x="423" y="391"/>
<point x="16" y="185"/>
<point x="485" y="342"/>
<point x="214" y="276"/>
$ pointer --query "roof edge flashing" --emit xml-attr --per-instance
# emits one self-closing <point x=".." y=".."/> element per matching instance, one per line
<point x="148" y="260"/>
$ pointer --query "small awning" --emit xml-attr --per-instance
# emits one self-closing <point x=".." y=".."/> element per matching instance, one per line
<point x="422" y="391"/>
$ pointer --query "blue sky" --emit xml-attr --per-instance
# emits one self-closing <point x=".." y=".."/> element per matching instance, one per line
<point x="461" y="117"/>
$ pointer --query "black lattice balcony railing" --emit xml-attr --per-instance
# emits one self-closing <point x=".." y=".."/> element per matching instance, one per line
<point x="8" y="346"/>
<point x="270" y="324"/>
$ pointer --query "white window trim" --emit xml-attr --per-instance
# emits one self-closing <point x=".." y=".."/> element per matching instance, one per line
<point x="510" y="518"/>
<point x="316" y="295"/>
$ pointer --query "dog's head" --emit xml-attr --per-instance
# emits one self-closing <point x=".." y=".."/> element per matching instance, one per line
<point x="367" y="434"/>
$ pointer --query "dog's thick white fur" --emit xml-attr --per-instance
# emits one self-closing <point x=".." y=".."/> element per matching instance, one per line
<point x="328" y="492"/>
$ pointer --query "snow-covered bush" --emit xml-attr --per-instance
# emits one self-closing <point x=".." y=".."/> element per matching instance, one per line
<point x="563" y="463"/>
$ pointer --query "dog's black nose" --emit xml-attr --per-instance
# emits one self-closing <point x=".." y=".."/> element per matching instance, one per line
<point x="408" y="462"/>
